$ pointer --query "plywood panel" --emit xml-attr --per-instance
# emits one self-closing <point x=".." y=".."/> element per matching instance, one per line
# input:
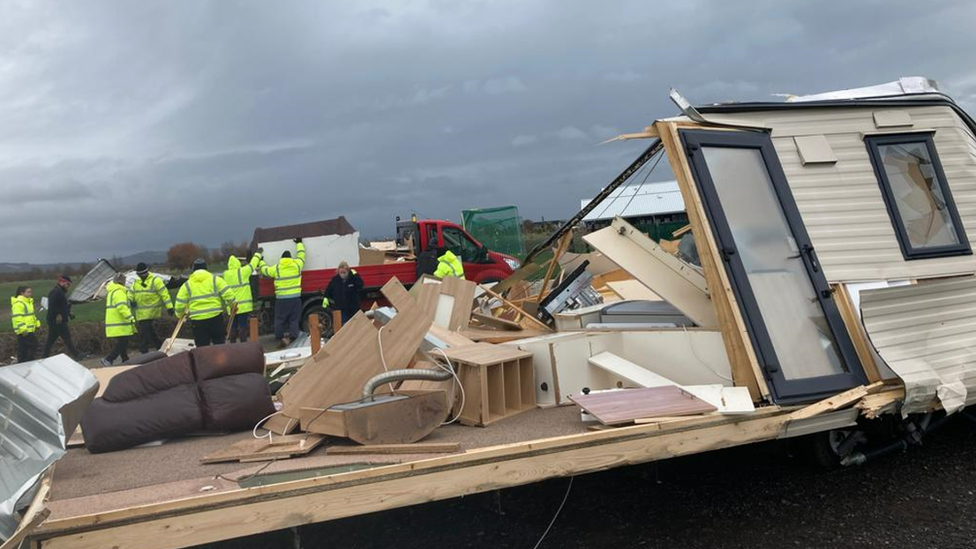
<point x="624" y="406"/>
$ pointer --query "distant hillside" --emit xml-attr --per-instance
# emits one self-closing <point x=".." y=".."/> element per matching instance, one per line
<point x="151" y="258"/>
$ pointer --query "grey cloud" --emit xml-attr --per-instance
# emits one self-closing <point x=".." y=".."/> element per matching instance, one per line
<point x="202" y="120"/>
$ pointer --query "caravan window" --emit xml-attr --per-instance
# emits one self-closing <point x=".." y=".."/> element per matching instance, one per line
<point x="918" y="198"/>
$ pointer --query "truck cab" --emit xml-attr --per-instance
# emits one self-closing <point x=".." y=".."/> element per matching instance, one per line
<point x="429" y="235"/>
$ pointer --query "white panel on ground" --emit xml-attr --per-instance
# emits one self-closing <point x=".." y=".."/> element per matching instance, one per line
<point x="637" y="375"/>
<point x="728" y="400"/>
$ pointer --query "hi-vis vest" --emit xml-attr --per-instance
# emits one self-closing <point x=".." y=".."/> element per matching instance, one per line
<point x="150" y="297"/>
<point x="449" y="265"/>
<point x="238" y="279"/>
<point x="287" y="274"/>
<point x="22" y="315"/>
<point x="119" y="321"/>
<point x="205" y="295"/>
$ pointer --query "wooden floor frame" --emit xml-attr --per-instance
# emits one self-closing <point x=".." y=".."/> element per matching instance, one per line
<point x="213" y="517"/>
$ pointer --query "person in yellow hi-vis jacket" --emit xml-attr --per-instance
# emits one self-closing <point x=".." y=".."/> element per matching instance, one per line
<point x="238" y="279"/>
<point x="287" y="275"/>
<point x="25" y="323"/>
<point x="205" y="296"/>
<point x="120" y="325"/>
<point x="149" y="298"/>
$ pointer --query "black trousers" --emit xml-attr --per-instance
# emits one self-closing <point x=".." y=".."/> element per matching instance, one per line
<point x="288" y="312"/>
<point x="240" y="327"/>
<point x="121" y="349"/>
<point x="148" y="338"/>
<point x="56" y="331"/>
<point x="210" y="331"/>
<point x="26" y="347"/>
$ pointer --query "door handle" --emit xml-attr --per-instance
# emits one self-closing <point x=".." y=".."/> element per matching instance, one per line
<point x="808" y="250"/>
<point x="727" y="253"/>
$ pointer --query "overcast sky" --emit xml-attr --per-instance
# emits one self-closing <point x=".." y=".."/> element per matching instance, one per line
<point x="129" y="126"/>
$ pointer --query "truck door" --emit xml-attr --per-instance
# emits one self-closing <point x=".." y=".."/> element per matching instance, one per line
<point x="795" y="327"/>
<point x="456" y="240"/>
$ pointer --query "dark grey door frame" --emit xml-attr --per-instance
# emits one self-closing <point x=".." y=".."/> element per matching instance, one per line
<point x="782" y="390"/>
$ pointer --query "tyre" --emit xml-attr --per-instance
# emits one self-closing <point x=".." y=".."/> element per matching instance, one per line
<point x="827" y="449"/>
<point x="325" y="320"/>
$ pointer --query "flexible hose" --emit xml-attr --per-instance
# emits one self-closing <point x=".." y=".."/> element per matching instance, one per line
<point x="402" y="375"/>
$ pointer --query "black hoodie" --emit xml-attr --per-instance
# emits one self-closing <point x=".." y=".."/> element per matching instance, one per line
<point x="57" y="303"/>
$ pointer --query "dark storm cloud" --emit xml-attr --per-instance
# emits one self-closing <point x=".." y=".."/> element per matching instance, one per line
<point x="127" y="126"/>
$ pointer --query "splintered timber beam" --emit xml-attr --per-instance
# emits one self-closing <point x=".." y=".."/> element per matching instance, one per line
<point x="655" y="147"/>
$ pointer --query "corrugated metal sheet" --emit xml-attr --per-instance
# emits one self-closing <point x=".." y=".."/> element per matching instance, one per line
<point x="41" y="402"/>
<point x="926" y="333"/>
<point x="841" y="204"/>
<point x="661" y="197"/>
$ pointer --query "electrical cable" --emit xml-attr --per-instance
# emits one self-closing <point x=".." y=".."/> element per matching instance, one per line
<point x="659" y="155"/>
<point x="254" y="431"/>
<point x="379" y="340"/>
<point x="450" y="368"/>
<point x="691" y="345"/>
<point x="554" y="517"/>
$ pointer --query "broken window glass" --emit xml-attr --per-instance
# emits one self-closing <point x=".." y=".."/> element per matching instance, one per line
<point x="917" y="196"/>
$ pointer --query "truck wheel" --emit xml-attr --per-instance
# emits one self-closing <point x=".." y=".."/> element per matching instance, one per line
<point x="325" y="320"/>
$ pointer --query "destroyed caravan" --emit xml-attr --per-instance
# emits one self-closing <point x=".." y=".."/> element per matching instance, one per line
<point x="845" y="321"/>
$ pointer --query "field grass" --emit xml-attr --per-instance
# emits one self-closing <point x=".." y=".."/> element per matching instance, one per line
<point x="85" y="312"/>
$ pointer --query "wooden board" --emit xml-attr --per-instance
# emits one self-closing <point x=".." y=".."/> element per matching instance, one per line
<point x="838" y="401"/>
<point x="626" y="405"/>
<point x="498" y="336"/>
<point x="633" y="290"/>
<point x="351" y="357"/>
<point x="452" y="339"/>
<point x="416" y="448"/>
<point x="263" y="449"/>
<point x="485" y="353"/>
<point x="393" y="421"/>
<point x="497" y="323"/>
<point x="852" y="321"/>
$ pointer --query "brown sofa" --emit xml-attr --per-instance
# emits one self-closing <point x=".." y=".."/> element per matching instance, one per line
<point x="217" y="389"/>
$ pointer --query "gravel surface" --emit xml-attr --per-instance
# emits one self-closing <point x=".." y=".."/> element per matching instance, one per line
<point x="745" y="497"/>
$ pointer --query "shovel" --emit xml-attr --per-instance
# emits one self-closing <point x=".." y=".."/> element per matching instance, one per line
<point x="172" y="338"/>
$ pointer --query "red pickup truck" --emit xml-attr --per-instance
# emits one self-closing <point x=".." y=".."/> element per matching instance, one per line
<point x="423" y="238"/>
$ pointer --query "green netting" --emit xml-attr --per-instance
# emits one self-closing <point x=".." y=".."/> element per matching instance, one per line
<point x="498" y="228"/>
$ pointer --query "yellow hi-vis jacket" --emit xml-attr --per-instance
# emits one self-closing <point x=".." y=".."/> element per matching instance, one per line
<point x="150" y="297"/>
<point x="22" y="315"/>
<point x="238" y="279"/>
<point x="205" y="295"/>
<point x="287" y="274"/>
<point x="119" y="321"/>
<point x="449" y="265"/>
